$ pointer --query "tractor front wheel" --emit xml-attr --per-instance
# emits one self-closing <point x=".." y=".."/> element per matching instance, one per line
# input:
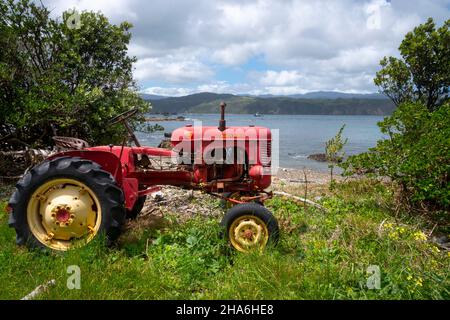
<point x="250" y="227"/>
<point x="66" y="202"/>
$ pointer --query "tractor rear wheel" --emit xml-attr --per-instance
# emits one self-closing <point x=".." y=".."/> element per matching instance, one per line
<point x="250" y="226"/>
<point x="137" y="208"/>
<point x="66" y="202"/>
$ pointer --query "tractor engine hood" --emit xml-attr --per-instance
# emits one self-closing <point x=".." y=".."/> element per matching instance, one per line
<point x="210" y="133"/>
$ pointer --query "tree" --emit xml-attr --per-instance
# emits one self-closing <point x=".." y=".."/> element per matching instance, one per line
<point x="334" y="151"/>
<point x="62" y="78"/>
<point x="415" y="154"/>
<point x="423" y="73"/>
<point x="394" y="80"/>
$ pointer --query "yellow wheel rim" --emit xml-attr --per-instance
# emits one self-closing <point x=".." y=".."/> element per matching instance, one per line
<point x="62" y="212"/>
<point x="248" y="233"/>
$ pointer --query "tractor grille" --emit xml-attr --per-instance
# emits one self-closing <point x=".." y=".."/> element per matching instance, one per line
<point x="266" y="154"/>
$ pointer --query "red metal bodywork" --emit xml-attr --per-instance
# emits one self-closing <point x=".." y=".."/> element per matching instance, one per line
<point x="129" y="165"/>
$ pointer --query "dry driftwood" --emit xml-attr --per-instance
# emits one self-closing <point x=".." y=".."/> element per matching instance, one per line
<point x="15" y="163"/>
<point x="39" y="289"/>
<point x="312" y="203"/>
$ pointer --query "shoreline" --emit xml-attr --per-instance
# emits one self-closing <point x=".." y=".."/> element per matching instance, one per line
<point x="273" y="114"/>
<point x="297" y="176"/>
<point x="290" y="175"/>
<point x="165" y="119"/>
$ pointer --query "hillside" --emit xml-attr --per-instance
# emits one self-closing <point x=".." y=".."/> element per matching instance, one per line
<point x="146" y="96"/>
<point x="330" y="95"/>
<point x="209" y="103"/>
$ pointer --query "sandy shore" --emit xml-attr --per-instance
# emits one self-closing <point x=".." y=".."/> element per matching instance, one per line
<point x="295" y="176"/>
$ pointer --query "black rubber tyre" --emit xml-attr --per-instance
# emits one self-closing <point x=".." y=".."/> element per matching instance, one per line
<point x="137" y="208"/>
<point x="252" y="209"/>
<point x="102" y="183"/>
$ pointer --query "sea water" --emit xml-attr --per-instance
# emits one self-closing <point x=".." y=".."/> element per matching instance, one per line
<point x="300" y="135"/>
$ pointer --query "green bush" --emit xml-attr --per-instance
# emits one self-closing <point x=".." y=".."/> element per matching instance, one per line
<point x="415" y="154"/>
<point x="62" y="79"/>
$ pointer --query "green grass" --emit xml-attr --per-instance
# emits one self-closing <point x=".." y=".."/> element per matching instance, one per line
<point x="320" y="256"/>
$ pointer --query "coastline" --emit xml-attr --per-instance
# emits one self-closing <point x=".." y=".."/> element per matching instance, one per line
<point x="283" y="175"/>
<point x="297" y="176"/>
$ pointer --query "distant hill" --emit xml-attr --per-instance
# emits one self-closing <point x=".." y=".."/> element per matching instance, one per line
<point x="146" y="96"/>
<point x="337" y="95"/>
<point x="334" y="105"/>
<point x="329" y="95"/>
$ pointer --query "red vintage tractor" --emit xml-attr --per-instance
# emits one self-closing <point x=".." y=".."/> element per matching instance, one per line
<point x="83" y="191"/>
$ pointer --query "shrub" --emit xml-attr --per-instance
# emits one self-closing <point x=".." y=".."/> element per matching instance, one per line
<point x="334" y="151"/>
<point x="415" y="155"/>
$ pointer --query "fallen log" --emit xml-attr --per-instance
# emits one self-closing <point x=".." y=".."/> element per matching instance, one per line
<point x="312" y="203"/>
<point x="39" y="289"/>
<point x="15" y="163"/>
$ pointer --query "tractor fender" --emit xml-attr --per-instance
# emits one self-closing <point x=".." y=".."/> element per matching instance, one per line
<point x="107" y="160"/>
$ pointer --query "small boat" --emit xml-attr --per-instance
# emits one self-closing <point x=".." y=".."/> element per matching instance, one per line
<point x="258" y="114"/>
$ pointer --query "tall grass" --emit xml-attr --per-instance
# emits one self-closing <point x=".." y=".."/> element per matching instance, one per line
<point x="321" y="255"/>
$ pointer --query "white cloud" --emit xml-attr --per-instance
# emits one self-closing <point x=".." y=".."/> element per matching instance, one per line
<point x="234" y="54"/>
<point x="212" y="86"/>
<point x="281" y="78"/>
<point x="317" y="45"/>
<point x="116" y="10"/>
<point x="170" y="91"/>
<point x="172" y="69"/>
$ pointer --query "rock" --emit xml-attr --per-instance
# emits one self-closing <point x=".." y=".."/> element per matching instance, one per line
<point x="158" y="196"/>
<point x="321" y="157"/>
<point x="442" y="241"/>
<point x="165" y="143"/>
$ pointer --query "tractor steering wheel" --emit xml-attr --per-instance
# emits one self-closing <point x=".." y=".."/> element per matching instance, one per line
<point x="123" y="116"/>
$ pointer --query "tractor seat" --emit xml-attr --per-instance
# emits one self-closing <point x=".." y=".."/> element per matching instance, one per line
<point x="70" y="143"/>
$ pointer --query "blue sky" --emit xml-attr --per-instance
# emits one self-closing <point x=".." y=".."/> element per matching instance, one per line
<point x="261" y="46"/>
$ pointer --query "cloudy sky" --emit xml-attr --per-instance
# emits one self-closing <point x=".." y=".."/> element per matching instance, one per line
<point x="261" y="46"/>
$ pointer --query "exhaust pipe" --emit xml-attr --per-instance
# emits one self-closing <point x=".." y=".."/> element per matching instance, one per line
<point x="222" y="122"/>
